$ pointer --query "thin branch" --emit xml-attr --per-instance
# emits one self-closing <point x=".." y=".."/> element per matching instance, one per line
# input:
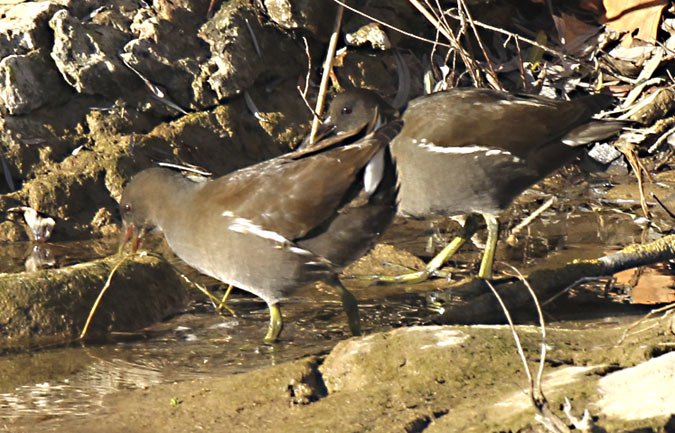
<point x="389" y="26"/>
<point x="105" y="288"/>
<point x="305" y="91"/>
<point x="519" y="346"/>
<point x="491" y="71"/>
<point x="522" y="39"/>
<point x="511" y="240"/>
<point x="483" y="309"/>
<point x="647" y="316"/>
<point x="468" y="61"/>
<point x="328" y="64"/>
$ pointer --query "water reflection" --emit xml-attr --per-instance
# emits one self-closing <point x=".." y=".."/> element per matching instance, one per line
<point x="32" y="256"/>
<point x="40" y="257"/>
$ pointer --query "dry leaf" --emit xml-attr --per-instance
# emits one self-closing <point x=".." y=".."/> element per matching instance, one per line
<point x="630" y="15"/>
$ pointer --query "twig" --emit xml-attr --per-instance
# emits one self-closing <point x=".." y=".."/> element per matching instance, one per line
<point x="516" y="339"/>
<point x="521" y="63"/>
<point x="185" y="168"/>
<point x="638" y="170"/>
<point x="468" y="61"/>
<point x="253" y="38"/>
<point x="661" y="139"/>
<point x="484" y="309"/>
<point x="522" y="39"/>
<point x="305" y="91"/>
<point x="494" y="81"/>
<point x="542" y="324"/>
<point x="389" y="26"/>
<point x="100" y="295"/>
<point x="328" y="64"/>
<point x="663" y="206"/>
<point x="577" y="283"/>
<point x="645" y="317"/>
<point x="217" y="303"/>
<point x="511" y="240"/>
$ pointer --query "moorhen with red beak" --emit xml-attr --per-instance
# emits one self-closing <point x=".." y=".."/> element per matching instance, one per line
<point x="270" y="228"/>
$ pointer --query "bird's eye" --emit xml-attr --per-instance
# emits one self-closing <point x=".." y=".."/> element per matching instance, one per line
<point x="126" y="208"/>
<point x="346" y="110"/>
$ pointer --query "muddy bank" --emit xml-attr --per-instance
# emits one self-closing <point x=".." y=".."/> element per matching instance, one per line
<point x="417" y="379"/>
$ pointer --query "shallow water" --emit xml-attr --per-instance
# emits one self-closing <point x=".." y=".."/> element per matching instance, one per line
<point x="72" y="381"/>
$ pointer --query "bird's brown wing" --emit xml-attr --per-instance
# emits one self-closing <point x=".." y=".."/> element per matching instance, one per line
<point x="292" y="194"/>
<point x="481" y="117"/>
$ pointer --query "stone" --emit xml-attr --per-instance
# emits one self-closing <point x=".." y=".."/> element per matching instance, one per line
<point x="641" y="392"/>
<point x="243" y="51"/>
<point x="86" y="56"/>
<point x="28" y="81"/>
<point x="23" y="26"/>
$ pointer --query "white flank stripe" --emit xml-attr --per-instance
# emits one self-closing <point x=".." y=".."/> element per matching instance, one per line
<point x="457" y="150"/>
<point x="496" y="152"/>
<point x="300" y="251"/>
<point x="228" y="213"/>
<point x="242" y="225"/>
<point x="489" y="151"/>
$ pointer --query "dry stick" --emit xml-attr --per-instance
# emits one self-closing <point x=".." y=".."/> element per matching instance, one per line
<point x="328" y="64"/>
<point x="100" y="296"/>
<point x="512" y="326"/>
<point x="523" y="39"/>
<point x="647" y="316"/>
<point x="477" y="23"/>
<point x="542" y="324"/>
<point x="442" y="14"/>
<point x="303" y="92"/>
<point x="511" y="240"/>
<point x="453" y="41"/>
<point x="549" y="281"/>
<point x="389" y="26"/>
<point x="580" y="281"/>
<point x="521" y="64"/>
<point x="546" y="415"/>
<point x="638" y="169"/>
<point x="663" y="206"/>
<point x="494" y="81"/>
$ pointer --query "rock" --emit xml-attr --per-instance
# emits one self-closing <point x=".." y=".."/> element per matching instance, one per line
<point x="86" y="54"/>
<point x="641" y="392"/>
<point x="169" y="54"/>
<point x="396" y="356"/>
<point x="372" y="34"/>
<point x="53" y="304"/>
<point x="307" y="15"/>
<point x="28" y="81"/>
<point x="243" y="51"/>
<point x="23" y="27"/>
<point x="433" y="379"/>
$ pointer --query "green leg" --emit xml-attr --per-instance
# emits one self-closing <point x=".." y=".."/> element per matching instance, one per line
<point x="470" y="227"/>
<point x="276" y="323"/>
<point x="223" y="301"/>
<point x="485" y="270"/>
<point x="350" y="305"/>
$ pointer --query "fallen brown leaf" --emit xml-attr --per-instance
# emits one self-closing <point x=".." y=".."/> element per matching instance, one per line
<point x="630" y="15"/>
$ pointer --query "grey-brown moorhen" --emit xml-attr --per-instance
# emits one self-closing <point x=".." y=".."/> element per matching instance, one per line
<point x="466" y="151"/>
<point x="274" y="226"/>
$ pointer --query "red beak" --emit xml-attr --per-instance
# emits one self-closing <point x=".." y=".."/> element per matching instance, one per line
<point x="129" y="232"/>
